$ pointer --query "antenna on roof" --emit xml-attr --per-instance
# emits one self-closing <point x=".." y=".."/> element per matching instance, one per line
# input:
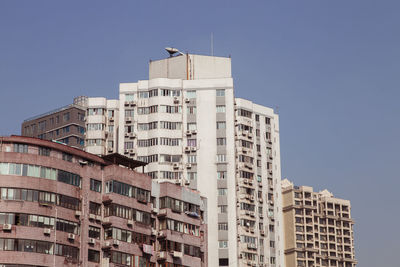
<point x="172" y="51"/>
<point x="212" y="44"/>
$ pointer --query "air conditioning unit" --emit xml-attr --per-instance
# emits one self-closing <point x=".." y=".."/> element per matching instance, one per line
<point x="110" y="149"/>
<point x="194" y="131"/>
<point x="128" y="119"/>
<point x="187" y="100"/>
<point x="7" y="227"/>
<point x="131" y="151"/>
<point x="98" y="218"/>
<point x="187" y="182"/>
<point x="106" y="221"/>
<point x="132" y="135"/>
<point x="178" y="181"/>
<point x="71" y="236"/>
<point x="262" y="232"/>
<point x="111" y="118"/>
<point x="187" y="149"/>
<point x="155" y="210"/>
<point x="83" y="162"/>
<point x="188" y="132"/>
<point x="188" y="166"/>
<point x="176" y="100"/>
<point x="153" y="231"/>
<point x="78" y="213"/>
<point x="252" y="214"/>
<point x="161" y="234"/>
<point x="132" y="103"/>
<point x="115" y="242"/>
<point x="162" y="255"/>
<point x="130" y="222"/>
<point x="177" y="254"/>
<point x="46" y="231"/>
<point x="175" y="166"/>
<point x="92" y="216"/>
<point x="193" y="148"/>
<point x="92" y="241"/>
<point x="126" y="151"/>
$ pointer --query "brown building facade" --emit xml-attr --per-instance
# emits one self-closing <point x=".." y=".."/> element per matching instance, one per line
<point x="66" y="125"/>
<point x="60" y="206"/>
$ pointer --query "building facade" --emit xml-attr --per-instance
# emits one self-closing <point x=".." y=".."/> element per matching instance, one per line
<point x="187" y="125"/>
<point x="189" y="128"/>
<point x="318" y="228"/>
<point x="65" y="124"/>
<point x="61" y="206"/>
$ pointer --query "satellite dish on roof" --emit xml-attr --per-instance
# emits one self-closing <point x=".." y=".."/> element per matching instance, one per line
<point x="172" y="51"/>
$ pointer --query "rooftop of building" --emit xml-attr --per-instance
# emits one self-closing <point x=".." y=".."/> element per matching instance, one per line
<point x="57" y="110"/>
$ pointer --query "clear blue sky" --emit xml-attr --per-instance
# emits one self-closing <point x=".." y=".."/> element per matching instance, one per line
<point x="332" y="67"/>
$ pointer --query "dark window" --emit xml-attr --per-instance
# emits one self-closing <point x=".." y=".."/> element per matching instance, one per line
<point x="95" y="185"/>
<point x="94" y="232"/>
<point x="93" y="255"/>
<point x="44" y="151"/>
<point x="68" y="178"/>
<point x="67" y="157"/>
<point x="224" y="262"/>
<point x="20" y="148"/>
<point x="94" y="208"/>
<point x="66" y="116"/>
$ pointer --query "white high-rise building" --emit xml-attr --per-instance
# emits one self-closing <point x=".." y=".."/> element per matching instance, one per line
<point x="186" y="123"/>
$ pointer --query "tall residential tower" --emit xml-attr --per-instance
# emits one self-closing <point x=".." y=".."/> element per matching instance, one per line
<point x="187" y="125"/>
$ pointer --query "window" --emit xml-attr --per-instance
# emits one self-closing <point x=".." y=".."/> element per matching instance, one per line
<point x="93" y="255"/>
<point x="221" y="175"/>
<point x="153" y="92"/>
<point x="20" y="148"/>
<point x="220" y="92"/>
<point x="96" y="127"/>
<point x="192" y="175"/>
<point x="223" y="226"/>
<point x="191" y="159"/>
<point x="221" y="158"/>
<point x="221" y="141"/>
<point x="191" y="109"/>
<point x="222" y="208"/>
<point x="221" y="125"/>
<point x="144" y="94"/>
<point x="129" y="97"/>
<point x="191" y="126"/>
<point x="267" y="120"/>
<point x="222" y="191"/>
<point x="94" y="208"/>
<point x="223" y="244"/>
<point x="66" y="117"/>
<point x="257" y="117"/>
<point x="245" y="113"/>
<point x="44" y="151"/>
<point x="191" y="94"/>
<point x="129" y="113"/>
<point x="192" y="142"/>
<point x="42" y="125"/>
<point x="220" y="109"/>
<point x="95" y="185"/>
<point x="94" y="232"/>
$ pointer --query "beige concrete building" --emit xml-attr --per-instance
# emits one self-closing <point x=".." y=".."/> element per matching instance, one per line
<point x="318" y="229"/>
